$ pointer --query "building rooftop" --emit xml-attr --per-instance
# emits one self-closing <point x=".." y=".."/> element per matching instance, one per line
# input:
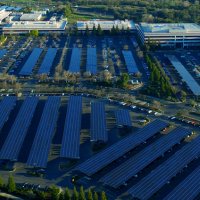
<point x="35" y="25"/>
<point x="4" y="14"/>
<point x="30" y="17"/>
<point x="105" y="24"/>
<point x="170" y="28"/>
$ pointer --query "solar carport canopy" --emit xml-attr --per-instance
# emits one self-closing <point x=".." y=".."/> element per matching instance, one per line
<point x="107" y="156"/>
<point x="31" y="62"/>
<point x="130" y="62"/>
<point x="132" y="166"/>
<point x="123" y="117"/>
<point x="71" y="136"/>
<point x="40" y="149"/>
<point x="2" y="53"/>
<point x="16" y="136"/>
<point x="75" y="61"/>
<point x="185" y="75"/>
<point x="48" y="61"/>
<point x="167" y="170"/>
<point x="98" y="122"/>
<point x="91" y="65"/>
<point x="188" y="189"/>
<point x="6" y="106"/>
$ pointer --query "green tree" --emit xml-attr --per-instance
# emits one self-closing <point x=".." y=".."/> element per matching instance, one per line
<point x="54" y="192"/>
<point x="94" y="30"/>
<point x="11" y="184"/>
<point x="61" y="196"/>
<point x="96" y="196"/>
<point x="117" y="30"/>
<point x="89" y="196"/>
<point x="34" y="33"/>
<point x="82" y="194"/>
<point x="67" y="195"/>
<point x="1" y="182"/>
<point x="113" y="31"/>
<point x="41" y="195"/>
<point x="75" y="194"/>
<point x="67" y="11"/>
<point x="103" y="196"/>
<point x="123" y="82"/>
<point x="99" y="30"/>
<point x="128" y="31"/>
<point x="87" y="30"/>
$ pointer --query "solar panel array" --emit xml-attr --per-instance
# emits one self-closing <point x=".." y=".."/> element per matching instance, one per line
<point x="91" y="65"/>
<point x="40" y="149"/>
<point x="186" y="76"/>
<point x="188" y="189"/>
<point x="6" y="106"/>
<point x="48" y="61"/>
<point x="75" y="61"/>
<point x="107" y="156"/>
<point x="16" y="136"/>
<point x="2" y="53"/>
<point x="130" y="62"/>
<point x="123" y="117"/>
<point x="98" y="122"/>
<point x="132" y="166"/>
<point x="31" y="62"/>
<point x="71" y="136"/>
<point x="167" y="170"/>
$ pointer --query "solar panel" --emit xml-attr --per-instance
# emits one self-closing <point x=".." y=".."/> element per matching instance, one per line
<point x="75" y="61"/>
<point x="40" y="149"/>
<point x="71" y="136"/>
<point x="16" y="136"/>
<point x="48" y="61"/>
<point x="98" y="122"/>
<point x="91" y="65"/>
<point x="188" y="189"/>
<point x="186" y="76"/>
<point x="130" y="62"/>
<point x="31" y="62"/>
<point x="107" y="156"/>
<point x="6" y="106"/>
<point x="167" y="170"/>
<point x="132" y="166"/>
<point x="123" y="117"/>
<point x="2" y="53"/>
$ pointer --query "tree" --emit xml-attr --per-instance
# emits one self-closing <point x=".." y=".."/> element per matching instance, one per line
<point x="117" y="30"/>
<point x="11" y="184"/>
<point x="82" y="194"/>
<point x="1" y="182"/>
<point x="96" y="196"/>
<point x="41" y="195"/>
<point x="54" y="191"/>
<point x="75" y="194"/>
<point x="87" y="32"/>
<point x="123" y="82"/>
<point x="67" y="11"/>
<point x="34" y="33"/>
<point x="193" y="103"/>
<point x="103" y="196"/>
<point x="128" y="30"/>
<point x="113" y="31"/>
<point x="94" y="30"/>
<point x="89" y="196"/>
<point x="99" y="30"/>
<point x="61" y="196"/>
<point x="67" y="195"/>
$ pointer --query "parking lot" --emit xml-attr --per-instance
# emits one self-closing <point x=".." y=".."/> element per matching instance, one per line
<point x="189" y="59"/>
<point x="58" y="170"/>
